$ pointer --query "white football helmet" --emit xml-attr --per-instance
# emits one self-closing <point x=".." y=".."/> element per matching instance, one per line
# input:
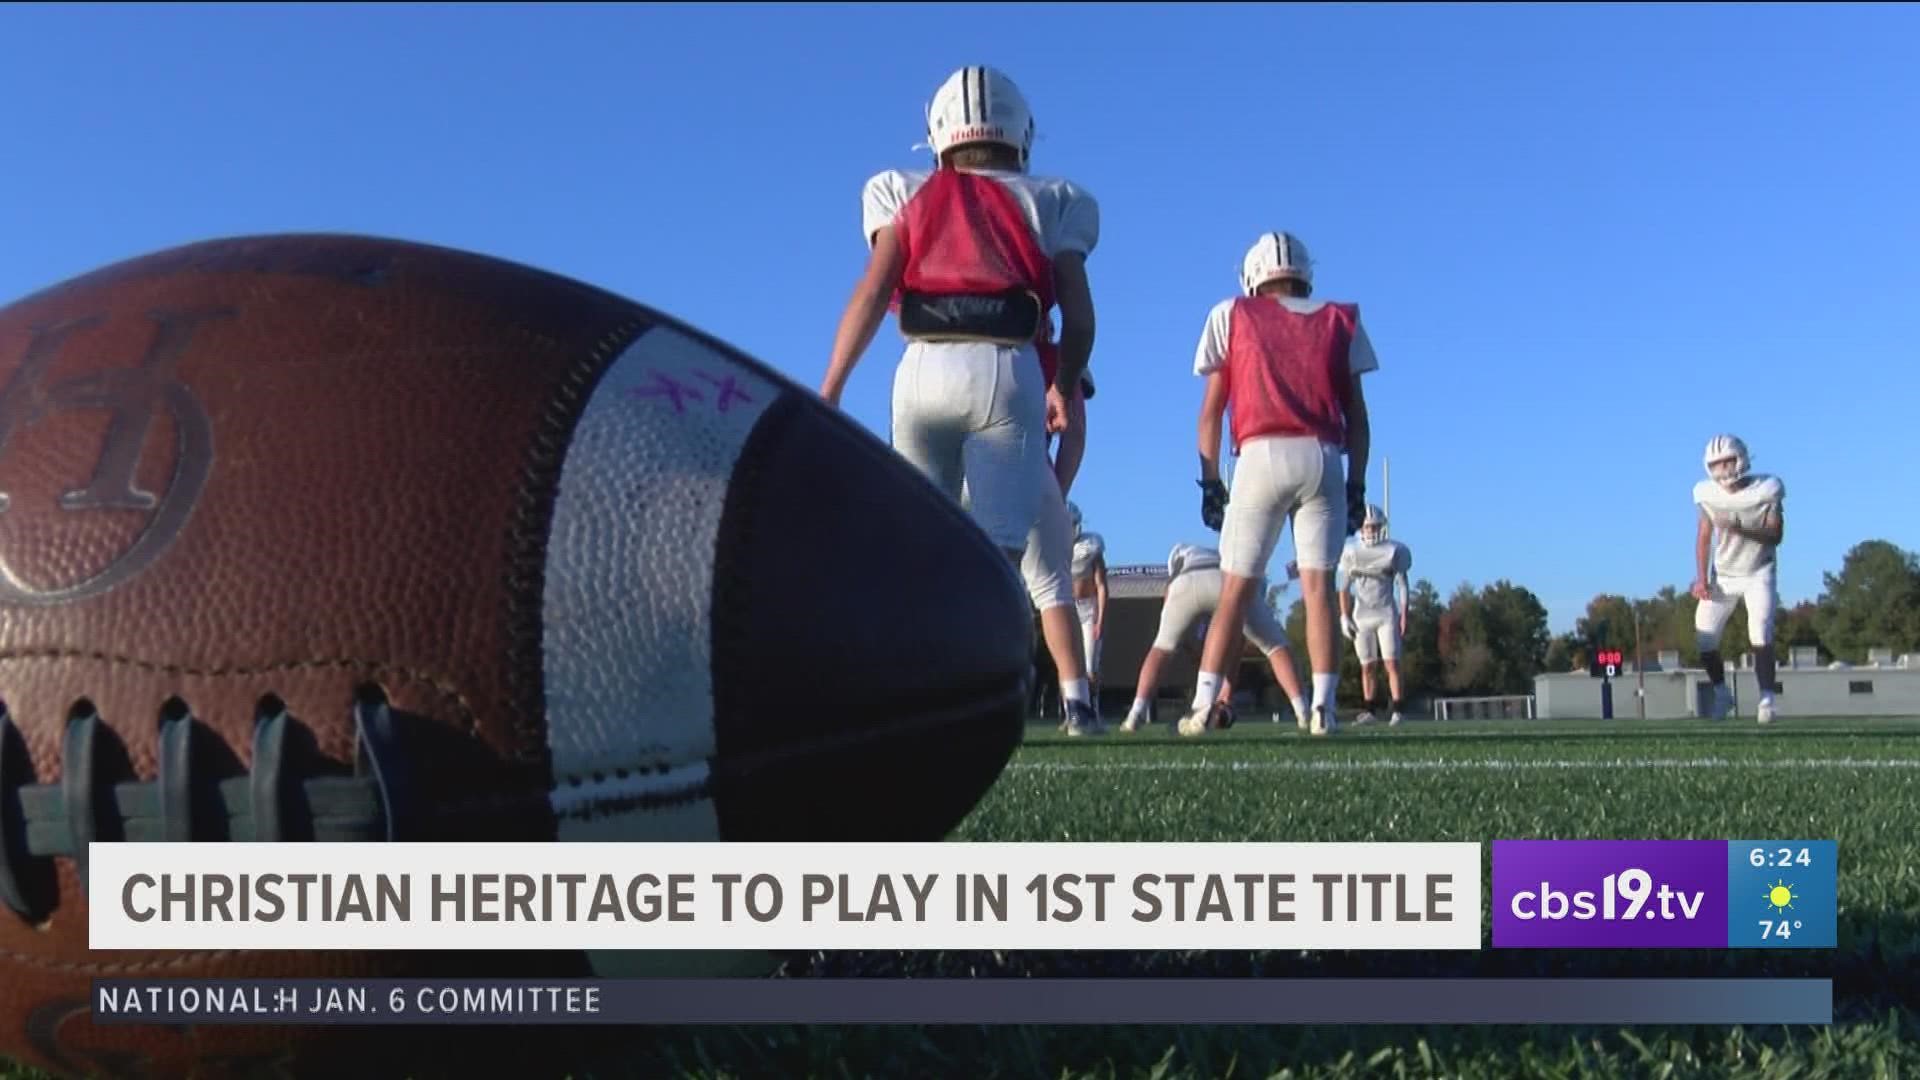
<point x="1373" y="527"/>
<point x="1726" y="460"/>
<point x="1073" y="517"/>
<point x="979" y="104"/>
<point x="1276" y="256"/>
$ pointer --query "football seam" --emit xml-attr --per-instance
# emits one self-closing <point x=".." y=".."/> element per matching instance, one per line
<point x="926" y="714"/>
<point x="445" y="687"/>
<point x="527" y="536"/>
<point x="608" y="791"/>
<point x="729" y="595"/>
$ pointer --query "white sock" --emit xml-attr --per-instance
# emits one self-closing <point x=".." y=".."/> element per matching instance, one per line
<point x="1141" y="706"/>
<point x="1207" y="690"/>
<point x="1324" y="687"/>
<point x="1300" y="708"/>
<point x="1075" y="690"/>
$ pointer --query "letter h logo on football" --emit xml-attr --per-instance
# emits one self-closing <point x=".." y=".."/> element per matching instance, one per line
<point x="132" y="395"/>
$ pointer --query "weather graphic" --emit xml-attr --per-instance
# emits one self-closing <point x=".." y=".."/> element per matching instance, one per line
<point x="1782" y="894"/>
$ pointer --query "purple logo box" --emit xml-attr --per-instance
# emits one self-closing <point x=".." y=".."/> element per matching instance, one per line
<point x="1610" y="894"/>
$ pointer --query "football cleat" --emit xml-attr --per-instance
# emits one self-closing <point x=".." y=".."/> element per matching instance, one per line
<point x="1722" y="702"/>
<point x="1082" y="720"/>
<point x="1219" y="716"/>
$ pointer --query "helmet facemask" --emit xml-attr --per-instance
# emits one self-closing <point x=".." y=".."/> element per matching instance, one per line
<point x="1727" y="462"/>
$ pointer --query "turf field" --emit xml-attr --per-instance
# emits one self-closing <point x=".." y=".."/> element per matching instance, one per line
<point x="1856" y="781"/>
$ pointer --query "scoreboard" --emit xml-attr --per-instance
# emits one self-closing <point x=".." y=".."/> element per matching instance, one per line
<point x="1606" y="663"/>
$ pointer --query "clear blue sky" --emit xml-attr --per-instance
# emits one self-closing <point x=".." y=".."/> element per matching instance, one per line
<point x="1585" y="238"/>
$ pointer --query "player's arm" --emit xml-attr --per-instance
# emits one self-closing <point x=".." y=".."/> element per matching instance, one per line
<point x="1074" y="295"/>
<point x="1213" y="409"/>
<point x="1073" y="444"/>
<point x="1702" y="548"/>
<point x="1360" y="360"/>
<point x="1772" y="527"/>
<point x="1359" y="443"/>
<point x="1402" y="591"/>
<point x="1210" y="363"/>
<point x="865" y="309"/>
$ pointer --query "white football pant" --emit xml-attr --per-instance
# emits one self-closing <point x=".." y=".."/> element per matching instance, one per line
<point x="1088" y="646"/>
<point x="1761" y="596"/>
<point x="1297" y="478"/>
<point x="1195" y="595"/>
<point x="1376" y="637"/>
<point x="975" y="414"/>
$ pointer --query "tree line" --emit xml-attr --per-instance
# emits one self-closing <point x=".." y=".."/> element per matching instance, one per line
<point x="1494" y="639"/>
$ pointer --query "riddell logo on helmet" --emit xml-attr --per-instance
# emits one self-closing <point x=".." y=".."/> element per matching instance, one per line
<point x="133" y="399"/>
<point x="976" y="131"/>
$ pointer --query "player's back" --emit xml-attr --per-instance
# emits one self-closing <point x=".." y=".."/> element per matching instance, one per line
<point x="1186" y="558"/>
<point x="1062" y="215"/>
<point x="1291" y="362"/>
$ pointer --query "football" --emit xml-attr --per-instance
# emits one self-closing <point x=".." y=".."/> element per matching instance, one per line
<point x="317" y="537"/>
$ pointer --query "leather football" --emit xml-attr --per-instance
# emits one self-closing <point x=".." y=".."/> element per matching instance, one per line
<point x="318" y="537"/>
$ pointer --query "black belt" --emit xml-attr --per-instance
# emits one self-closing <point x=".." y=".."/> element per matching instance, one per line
<point x="1013" y="317"/>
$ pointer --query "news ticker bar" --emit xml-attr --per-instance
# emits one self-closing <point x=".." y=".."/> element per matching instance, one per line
<point x="608" y="898"/>
<point x="963" y="1001"/>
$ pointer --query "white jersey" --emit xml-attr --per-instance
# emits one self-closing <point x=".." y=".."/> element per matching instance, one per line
<point x="1370" y="570"/>
<point x="1763" y="495"/>
<point x="1185" y="557"/>
<point x="1211" y="355"/>
<point x="1064" y="216"/>
<point x="1087" y="550"/>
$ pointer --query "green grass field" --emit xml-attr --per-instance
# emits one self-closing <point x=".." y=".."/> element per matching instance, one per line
<point x="1856" y="781"/>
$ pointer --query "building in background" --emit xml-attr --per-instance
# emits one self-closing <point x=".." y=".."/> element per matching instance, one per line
<point x="1887" y="685"/>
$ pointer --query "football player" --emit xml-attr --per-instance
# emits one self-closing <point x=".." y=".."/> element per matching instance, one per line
<point x="1373" y="606"/>
<point x="1193" y="596"/>
<point x="1288" y="369"/>
<point x="1748" y="511"/>
<point x="1089" y="594"/>
<point x="973" y="256"/>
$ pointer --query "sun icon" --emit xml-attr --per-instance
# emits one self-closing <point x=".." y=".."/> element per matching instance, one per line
<point x="1781" y="896"/>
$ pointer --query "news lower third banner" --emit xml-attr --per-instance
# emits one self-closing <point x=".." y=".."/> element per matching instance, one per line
<point x="781" y="896"/>
<point x="423" y="1002"/>
<point x="1665" y="894"/>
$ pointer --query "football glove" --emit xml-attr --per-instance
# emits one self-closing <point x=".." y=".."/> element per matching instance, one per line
<point x="1349" y="627"/>
<point x="1213" y="504"/>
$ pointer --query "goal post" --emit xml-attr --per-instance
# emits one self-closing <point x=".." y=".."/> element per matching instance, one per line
<point x="1499" y="707"/>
